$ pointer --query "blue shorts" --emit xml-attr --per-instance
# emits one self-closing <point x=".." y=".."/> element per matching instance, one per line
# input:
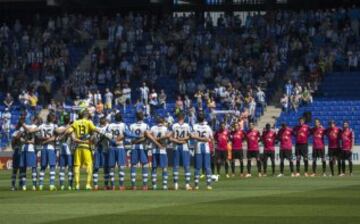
<point x="27" y="159"/>
<point x="116" y="156"/>
<point x="100" y="159"/>
<point x="202" y="159"/>
<point x="48" y="157"/>
<point x="65" y="160"/>
<point x="159" y="160"/>
<point x="16" y="159"/>
<point x="181" y="157"/>
<point x="138" y="155"/>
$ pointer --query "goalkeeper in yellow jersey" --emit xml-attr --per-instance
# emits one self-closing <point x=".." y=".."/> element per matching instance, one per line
<point x="81" y="131"/>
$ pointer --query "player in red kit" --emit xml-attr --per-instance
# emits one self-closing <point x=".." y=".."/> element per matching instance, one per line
<point x="347" y="142"/>
<point x="222" y="139"/>
<point x="318" y="133"/>
<point x="302" y="133"/>
<point x="237" y="138"/>
<point x="284" y="135"/>
<point x="333" y="135"/>
<point x="253" y="138"/>
<point x="268" y="139"/>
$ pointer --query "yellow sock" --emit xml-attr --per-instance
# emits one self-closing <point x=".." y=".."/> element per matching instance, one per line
<point x="89" y="171"/>
<point x="77" y="176"/>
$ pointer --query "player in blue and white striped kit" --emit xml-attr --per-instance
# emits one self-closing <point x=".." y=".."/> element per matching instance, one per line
<point x="48" y="152"/>
<point x="181" y="132"/>
<point x="159" y="155"/>
<point x="65" y="155"/>
<point x="16" y="146"/>
<point x="101" y="155"/>
<point x="28" y="156"/>
<point x="202" y="133"/>
<point x="138" y="152"/>
<point x="117" y="154"/>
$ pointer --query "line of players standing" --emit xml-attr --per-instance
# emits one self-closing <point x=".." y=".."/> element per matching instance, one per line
<point x="56" y="148"/>
<point x="340" y="143"/>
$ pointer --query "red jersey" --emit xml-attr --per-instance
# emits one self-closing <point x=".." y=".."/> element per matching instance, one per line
<point x="284" y="135"/>
<point x="302" y="133"/>
<point x="211" y="147"/>
<point x="318" y="137"/>
<point x="347" y="137"/>
<point x="268" y="138"/>
<point x="333" y="135"/>
<point x="237" y="138"/>
<point x="252" y="138"/>
<point x="222" y="139"/>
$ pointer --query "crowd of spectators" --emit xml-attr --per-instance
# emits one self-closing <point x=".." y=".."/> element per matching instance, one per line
<point x="196" y="63"/>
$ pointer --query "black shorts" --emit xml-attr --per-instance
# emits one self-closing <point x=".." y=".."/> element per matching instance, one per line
<point x="221" y="155"/>
<point x="253" y="154"/>
<point x="333" y="153"/>
<point x="269" y="154"/>
<point x="301" y="150"/>
<point x="346" y="155"/>
<point x="237" y="154"/>
<point x="318" y="153"/>
<point x="286" y="154"/>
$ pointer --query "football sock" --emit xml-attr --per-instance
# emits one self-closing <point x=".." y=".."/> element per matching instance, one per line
<point x="306" y="165"/>
<point x="165" y="177"/>
<point x="314" y="166"/>
<point x="249" y="166"/>
<point x="112" y="177"/>
<point x="258" y="164"/>
<point x="298" y="165"/>
<point x="77" y="175"/>
<point x="52" y="175"/>
<point x="121" y="175"/>
<point x="23" y="176"/>
<point x="232" y="164"/>
<point x="331" y="164"/>
<point x="13" y="177"/>
<point x="291" y="166"/>
<point x="226" y="167"/>
<point x="273" y="166"/>
<point x="241" y="166"/>
<point x="176" y="174"/>
<point x="187" y="174"/>
<point x="196" y="177"/>
<point x="96" y="177"/>
<point x="153" y="176"/>
<point x="282" y="166"/>
<point x="62" y="176"/>
<point x="106" y="177"/>
<point x="89" y="169"/>
<point x="145" y="174"/>
<point x="41" y="176"/>
<point x="133" y="175"/>
<point x="70" y="177"/>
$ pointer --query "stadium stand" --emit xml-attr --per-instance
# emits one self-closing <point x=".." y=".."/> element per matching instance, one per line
<point x="338" y="99"/>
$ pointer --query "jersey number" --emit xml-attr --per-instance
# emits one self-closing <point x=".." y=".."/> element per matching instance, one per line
<point x="82" y="129"/>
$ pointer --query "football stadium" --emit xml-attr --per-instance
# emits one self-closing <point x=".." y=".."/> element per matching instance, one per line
<point x="180" y="111"/>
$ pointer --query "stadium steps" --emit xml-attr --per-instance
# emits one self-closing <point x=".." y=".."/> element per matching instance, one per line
<point x="85" y="63"/>
<point x="269" y="116"/>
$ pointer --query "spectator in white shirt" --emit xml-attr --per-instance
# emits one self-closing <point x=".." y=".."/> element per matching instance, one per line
<point x="260" y="97"/>
<point x="108" y="99"/>
<point x="162" y="99"/>
<point x="144" y="93"/>
<point x="126" y="91"/>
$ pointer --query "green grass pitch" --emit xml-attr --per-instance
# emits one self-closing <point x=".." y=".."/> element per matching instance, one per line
<point x="264" y="200"/>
